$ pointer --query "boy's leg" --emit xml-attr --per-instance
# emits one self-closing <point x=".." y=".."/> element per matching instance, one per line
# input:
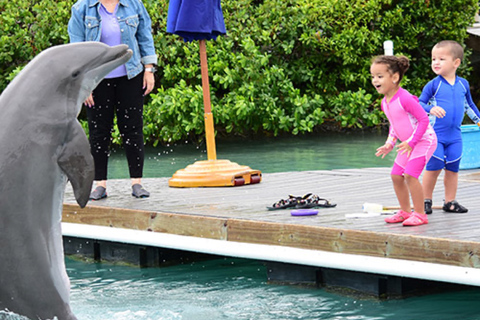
<point x="451" y="185"/>
<point x="432" y="171"/>
<point x="450" y="182"/>
<point x="453" y="156"/>
<point x="429" y="181"/>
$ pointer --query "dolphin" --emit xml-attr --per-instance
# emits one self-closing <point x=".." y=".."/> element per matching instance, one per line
<point x="42" y="145"/>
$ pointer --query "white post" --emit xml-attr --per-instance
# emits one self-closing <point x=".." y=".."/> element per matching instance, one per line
<point x="388" y="47"/>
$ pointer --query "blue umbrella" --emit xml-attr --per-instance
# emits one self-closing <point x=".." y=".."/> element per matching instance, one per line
<point x="203" y="20"/>
<point x="195" y="19"/>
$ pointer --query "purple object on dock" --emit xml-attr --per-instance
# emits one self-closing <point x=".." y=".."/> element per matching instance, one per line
<point x="304" y="212"/>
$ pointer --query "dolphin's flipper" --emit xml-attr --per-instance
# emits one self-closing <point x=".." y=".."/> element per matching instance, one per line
<point x="76" y="162"/>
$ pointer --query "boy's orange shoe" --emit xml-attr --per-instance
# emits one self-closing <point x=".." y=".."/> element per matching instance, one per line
<point x="416" y="219"/>
<point x="398" y="217"/>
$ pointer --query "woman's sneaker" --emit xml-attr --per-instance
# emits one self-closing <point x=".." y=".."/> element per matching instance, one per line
<point x="99" y="193"/>
<point x="139" y="192"/>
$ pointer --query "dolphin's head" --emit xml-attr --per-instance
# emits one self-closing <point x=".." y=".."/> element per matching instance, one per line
<point x="77" y="67"/>
<point x="91" y="62"/>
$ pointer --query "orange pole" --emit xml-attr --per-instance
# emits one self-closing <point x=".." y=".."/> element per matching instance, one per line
<point x="209" y="129"/>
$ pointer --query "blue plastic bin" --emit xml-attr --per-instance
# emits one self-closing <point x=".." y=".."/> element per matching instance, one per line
<point x="471" y="147"/>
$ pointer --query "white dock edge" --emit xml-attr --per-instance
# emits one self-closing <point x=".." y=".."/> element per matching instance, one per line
<point x="358" y="263"/>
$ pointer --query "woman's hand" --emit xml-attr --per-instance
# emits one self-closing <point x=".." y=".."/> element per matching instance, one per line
<point x="148" y="80"/>
<point x="89" y="101"/>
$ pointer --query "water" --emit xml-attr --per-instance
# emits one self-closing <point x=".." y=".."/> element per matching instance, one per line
<point x="301" y="153"/>
<point x="233" y="288"/>
<point x="236" y="289"/>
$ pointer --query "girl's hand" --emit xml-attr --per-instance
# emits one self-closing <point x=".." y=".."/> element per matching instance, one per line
<point x="404" y="147"/>
<point x="384" y="150"/>
<point x="89" y="101"/>
<point x="438" y="112"/>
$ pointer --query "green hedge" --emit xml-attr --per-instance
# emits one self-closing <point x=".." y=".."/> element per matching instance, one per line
<point x="26" y="28"/>
<point x="284" y="66"/>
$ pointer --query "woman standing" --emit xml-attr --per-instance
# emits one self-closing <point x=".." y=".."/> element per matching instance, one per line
<point x="115" y="22"/>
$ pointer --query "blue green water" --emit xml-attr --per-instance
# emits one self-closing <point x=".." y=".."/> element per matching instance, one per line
<point x="301" y="153"/>
<point x="236" y="289"/>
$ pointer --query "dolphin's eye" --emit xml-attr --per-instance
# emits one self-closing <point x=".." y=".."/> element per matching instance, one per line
<point x="75" y="74"/>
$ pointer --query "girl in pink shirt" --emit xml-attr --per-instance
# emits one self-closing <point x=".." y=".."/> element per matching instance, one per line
<point x="408" y="123"/>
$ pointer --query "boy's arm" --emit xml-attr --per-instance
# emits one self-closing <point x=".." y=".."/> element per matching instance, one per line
<point x="427" y="94"/>
<point x="428" y="102"/>
<point x="470" y="108"/>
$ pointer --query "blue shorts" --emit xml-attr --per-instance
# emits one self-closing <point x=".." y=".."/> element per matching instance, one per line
<point x="446" y="156"/>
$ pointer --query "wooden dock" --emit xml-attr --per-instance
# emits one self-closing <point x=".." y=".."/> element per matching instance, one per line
<point x="239" y="215"/>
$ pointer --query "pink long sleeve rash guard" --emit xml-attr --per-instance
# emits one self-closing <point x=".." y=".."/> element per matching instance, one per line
<point x="408" y="120"/>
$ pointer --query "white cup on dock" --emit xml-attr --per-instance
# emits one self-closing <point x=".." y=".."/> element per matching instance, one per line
<point x="372" y="207"/>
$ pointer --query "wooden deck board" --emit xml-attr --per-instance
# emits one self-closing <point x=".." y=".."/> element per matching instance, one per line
<point x="240" y="214"/>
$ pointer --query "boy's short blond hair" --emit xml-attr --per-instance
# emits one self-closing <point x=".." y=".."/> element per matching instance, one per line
<point x="456" y="49"/>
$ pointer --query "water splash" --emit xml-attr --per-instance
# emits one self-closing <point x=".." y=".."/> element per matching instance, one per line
<point x="6" y="315"/>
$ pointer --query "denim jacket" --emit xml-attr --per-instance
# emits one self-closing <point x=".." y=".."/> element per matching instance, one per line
<point x="135" y="27"/>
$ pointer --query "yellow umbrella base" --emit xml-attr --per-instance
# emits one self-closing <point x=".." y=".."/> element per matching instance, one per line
<point x="214" y="173"/>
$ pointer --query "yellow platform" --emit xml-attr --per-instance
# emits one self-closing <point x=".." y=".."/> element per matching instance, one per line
<point x="214" y="173"/>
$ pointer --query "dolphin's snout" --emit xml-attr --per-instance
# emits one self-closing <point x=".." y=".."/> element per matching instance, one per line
<point x="121" y="53"/>
<point x="127" y="53"/>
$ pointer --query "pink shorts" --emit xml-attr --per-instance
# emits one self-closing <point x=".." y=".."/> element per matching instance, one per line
<point x="414" y="164"/>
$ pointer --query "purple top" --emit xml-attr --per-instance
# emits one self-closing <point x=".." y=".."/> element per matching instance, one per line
<point x="111" y="36"/>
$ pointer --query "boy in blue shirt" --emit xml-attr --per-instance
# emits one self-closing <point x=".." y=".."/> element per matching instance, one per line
<point x="446" y="98"/>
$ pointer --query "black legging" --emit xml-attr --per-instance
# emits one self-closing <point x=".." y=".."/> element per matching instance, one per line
<point x="124" y="98"/>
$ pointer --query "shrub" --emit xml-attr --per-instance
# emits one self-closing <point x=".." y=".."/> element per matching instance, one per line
<point x="28" y="27"/>
<point x="285" y="66"/>
<point x="296" y="66"/>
